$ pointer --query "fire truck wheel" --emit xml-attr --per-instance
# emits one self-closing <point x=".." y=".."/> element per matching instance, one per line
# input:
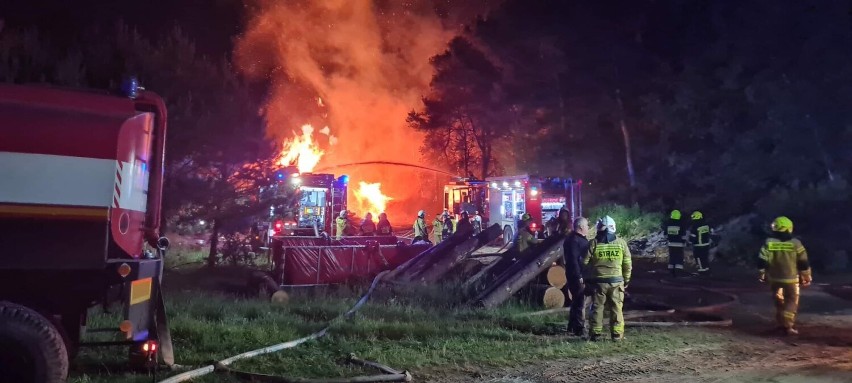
<point x="31" y="348"/>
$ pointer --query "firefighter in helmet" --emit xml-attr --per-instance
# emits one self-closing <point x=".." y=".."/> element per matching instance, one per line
<point x="609" y="269"/>
<point x="673" y="228"/>
<point x="368" y="227"/>
<point x="448" y="225"/>
<point x="438" y="228"/>
<point x="420" y="231"/>
<point x="525" y="237"/>
<point x="699" y="237"/>
<point x="384" y="228"/>
<point x="340" y="223"/>
<point x="783" y="262"/>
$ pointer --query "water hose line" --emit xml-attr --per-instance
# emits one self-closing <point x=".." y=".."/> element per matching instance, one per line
<point x="183" y="377"/>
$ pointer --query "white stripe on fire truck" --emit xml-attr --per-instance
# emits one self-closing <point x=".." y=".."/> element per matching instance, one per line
<point x="30" y="178"/>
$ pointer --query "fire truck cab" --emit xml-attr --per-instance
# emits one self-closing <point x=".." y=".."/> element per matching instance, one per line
<point x="541" y="197"/>
<point x="504" y="199"/>
<point x="81" y="177"/>
<point x="467" y="195"/>
<point x="320" y="199"/>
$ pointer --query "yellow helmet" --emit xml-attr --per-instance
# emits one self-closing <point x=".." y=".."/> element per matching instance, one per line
<point x="675" y="214"/>
<point x="696" y="215"/>
<point x="782" y="224"/>
<point x="526" y="217"/>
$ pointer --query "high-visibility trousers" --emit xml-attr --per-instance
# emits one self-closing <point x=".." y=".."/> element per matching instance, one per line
<point x="786" y="296"/>
<point x="609" y="297"/>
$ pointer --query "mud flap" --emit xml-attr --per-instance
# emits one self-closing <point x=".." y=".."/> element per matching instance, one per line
<point x="164" y="336"/>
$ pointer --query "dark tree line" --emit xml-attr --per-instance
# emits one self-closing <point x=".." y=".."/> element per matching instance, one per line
<point x="730" y="107"/>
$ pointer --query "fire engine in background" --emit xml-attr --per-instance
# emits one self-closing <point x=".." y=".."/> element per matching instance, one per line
<point x="504" y="199"/>
<point x="321" y="197"/>
<point x="81" y="178"/>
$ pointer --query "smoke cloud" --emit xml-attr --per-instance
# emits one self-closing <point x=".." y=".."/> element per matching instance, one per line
<point x="358" y="67"/>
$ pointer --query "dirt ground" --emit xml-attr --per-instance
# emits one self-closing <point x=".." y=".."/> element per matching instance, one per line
<point x="751" y="351"/>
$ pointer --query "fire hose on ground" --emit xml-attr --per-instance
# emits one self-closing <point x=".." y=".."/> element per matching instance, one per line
<point x="222" y="365"/>
<point x="633" y="318"/>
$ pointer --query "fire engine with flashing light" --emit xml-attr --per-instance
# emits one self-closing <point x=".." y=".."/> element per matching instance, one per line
<point x="319" y="198"/>
<point x="87" y="168"/>
<point x="504" y="199"/>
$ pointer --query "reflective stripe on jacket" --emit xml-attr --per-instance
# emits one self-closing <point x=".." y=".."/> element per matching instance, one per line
<point x="674" y="232"/>
<point x="783" y="259"/>
<point x="700" y="235"/>
<point x="609" y="262"/>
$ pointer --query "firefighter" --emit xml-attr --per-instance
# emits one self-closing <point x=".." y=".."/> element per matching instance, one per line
<point x="525" y="237"/>
<point x="438" y="228"/>
<point x="420" y="231"/>
<point x="575" y="248"/>
<point x="384" y="227"/>
<point x="699" y="237"/>
<point x="341" y="222"/>
<point x="447" y="226"/>
<point x="609" y="272"/>
<point x="563" y="222"/>
<point x="464" y="223"/>
<point x="477" y="222"/>
<point x="783" y="262"/>
<point x="674" y="233"/>
<point x="368" y="227"/>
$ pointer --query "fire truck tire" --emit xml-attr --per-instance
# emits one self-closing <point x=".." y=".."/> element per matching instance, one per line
<point x="31" y="348"/>
<point x="508" y="235"/>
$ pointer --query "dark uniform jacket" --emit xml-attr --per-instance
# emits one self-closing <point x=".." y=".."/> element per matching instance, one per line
<point x="699" y="234"/>
<point x="575" y="249"/>
<point x="673" y="228"/>
<point x="384" y="227"/>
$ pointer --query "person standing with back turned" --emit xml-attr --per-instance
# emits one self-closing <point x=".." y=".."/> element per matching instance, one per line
<point x="699" y="236"/>
<point x="575" y="248"/>
<point x="784" y="262"/>
<point x="674" y="233"/>
<point x="610" y="267"/>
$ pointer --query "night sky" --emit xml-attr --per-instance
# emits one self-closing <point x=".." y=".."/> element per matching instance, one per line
<point x="211" y="23"/>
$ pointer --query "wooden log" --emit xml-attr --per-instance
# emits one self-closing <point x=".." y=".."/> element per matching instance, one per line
<point x="444" y="264"/>
<point x="553" y="298"/>
<point x="517" y="278"/>
<point x="428" y="258"/>
<point x="556" y="277"/>
<point x="544" y="296"/>
<point x="490" y="278"/>
<point x="396" y="274"/>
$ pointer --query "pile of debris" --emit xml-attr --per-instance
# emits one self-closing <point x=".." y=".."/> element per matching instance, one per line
<point x="652" y="246"/>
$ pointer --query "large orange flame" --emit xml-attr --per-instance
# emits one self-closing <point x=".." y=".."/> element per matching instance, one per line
<point x="301" y="151"/>
<point x="370" y="199"/>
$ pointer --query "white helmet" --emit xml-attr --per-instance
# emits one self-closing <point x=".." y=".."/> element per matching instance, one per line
<point x="421" y="213"/>
<point x="607" y="223"/>
<point x="343" y="214"/>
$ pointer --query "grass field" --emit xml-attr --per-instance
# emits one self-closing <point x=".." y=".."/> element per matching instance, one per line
<point x="424" y="335"/>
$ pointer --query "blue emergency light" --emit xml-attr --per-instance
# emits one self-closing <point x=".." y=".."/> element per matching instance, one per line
<point x="130" y="87"/>
<point x="344" y="178"/>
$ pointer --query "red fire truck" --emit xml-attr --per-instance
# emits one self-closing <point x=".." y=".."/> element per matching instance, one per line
<point x="81" y="177"/>
<point x="504" y="199"/>
<point x="319" y="200"/>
